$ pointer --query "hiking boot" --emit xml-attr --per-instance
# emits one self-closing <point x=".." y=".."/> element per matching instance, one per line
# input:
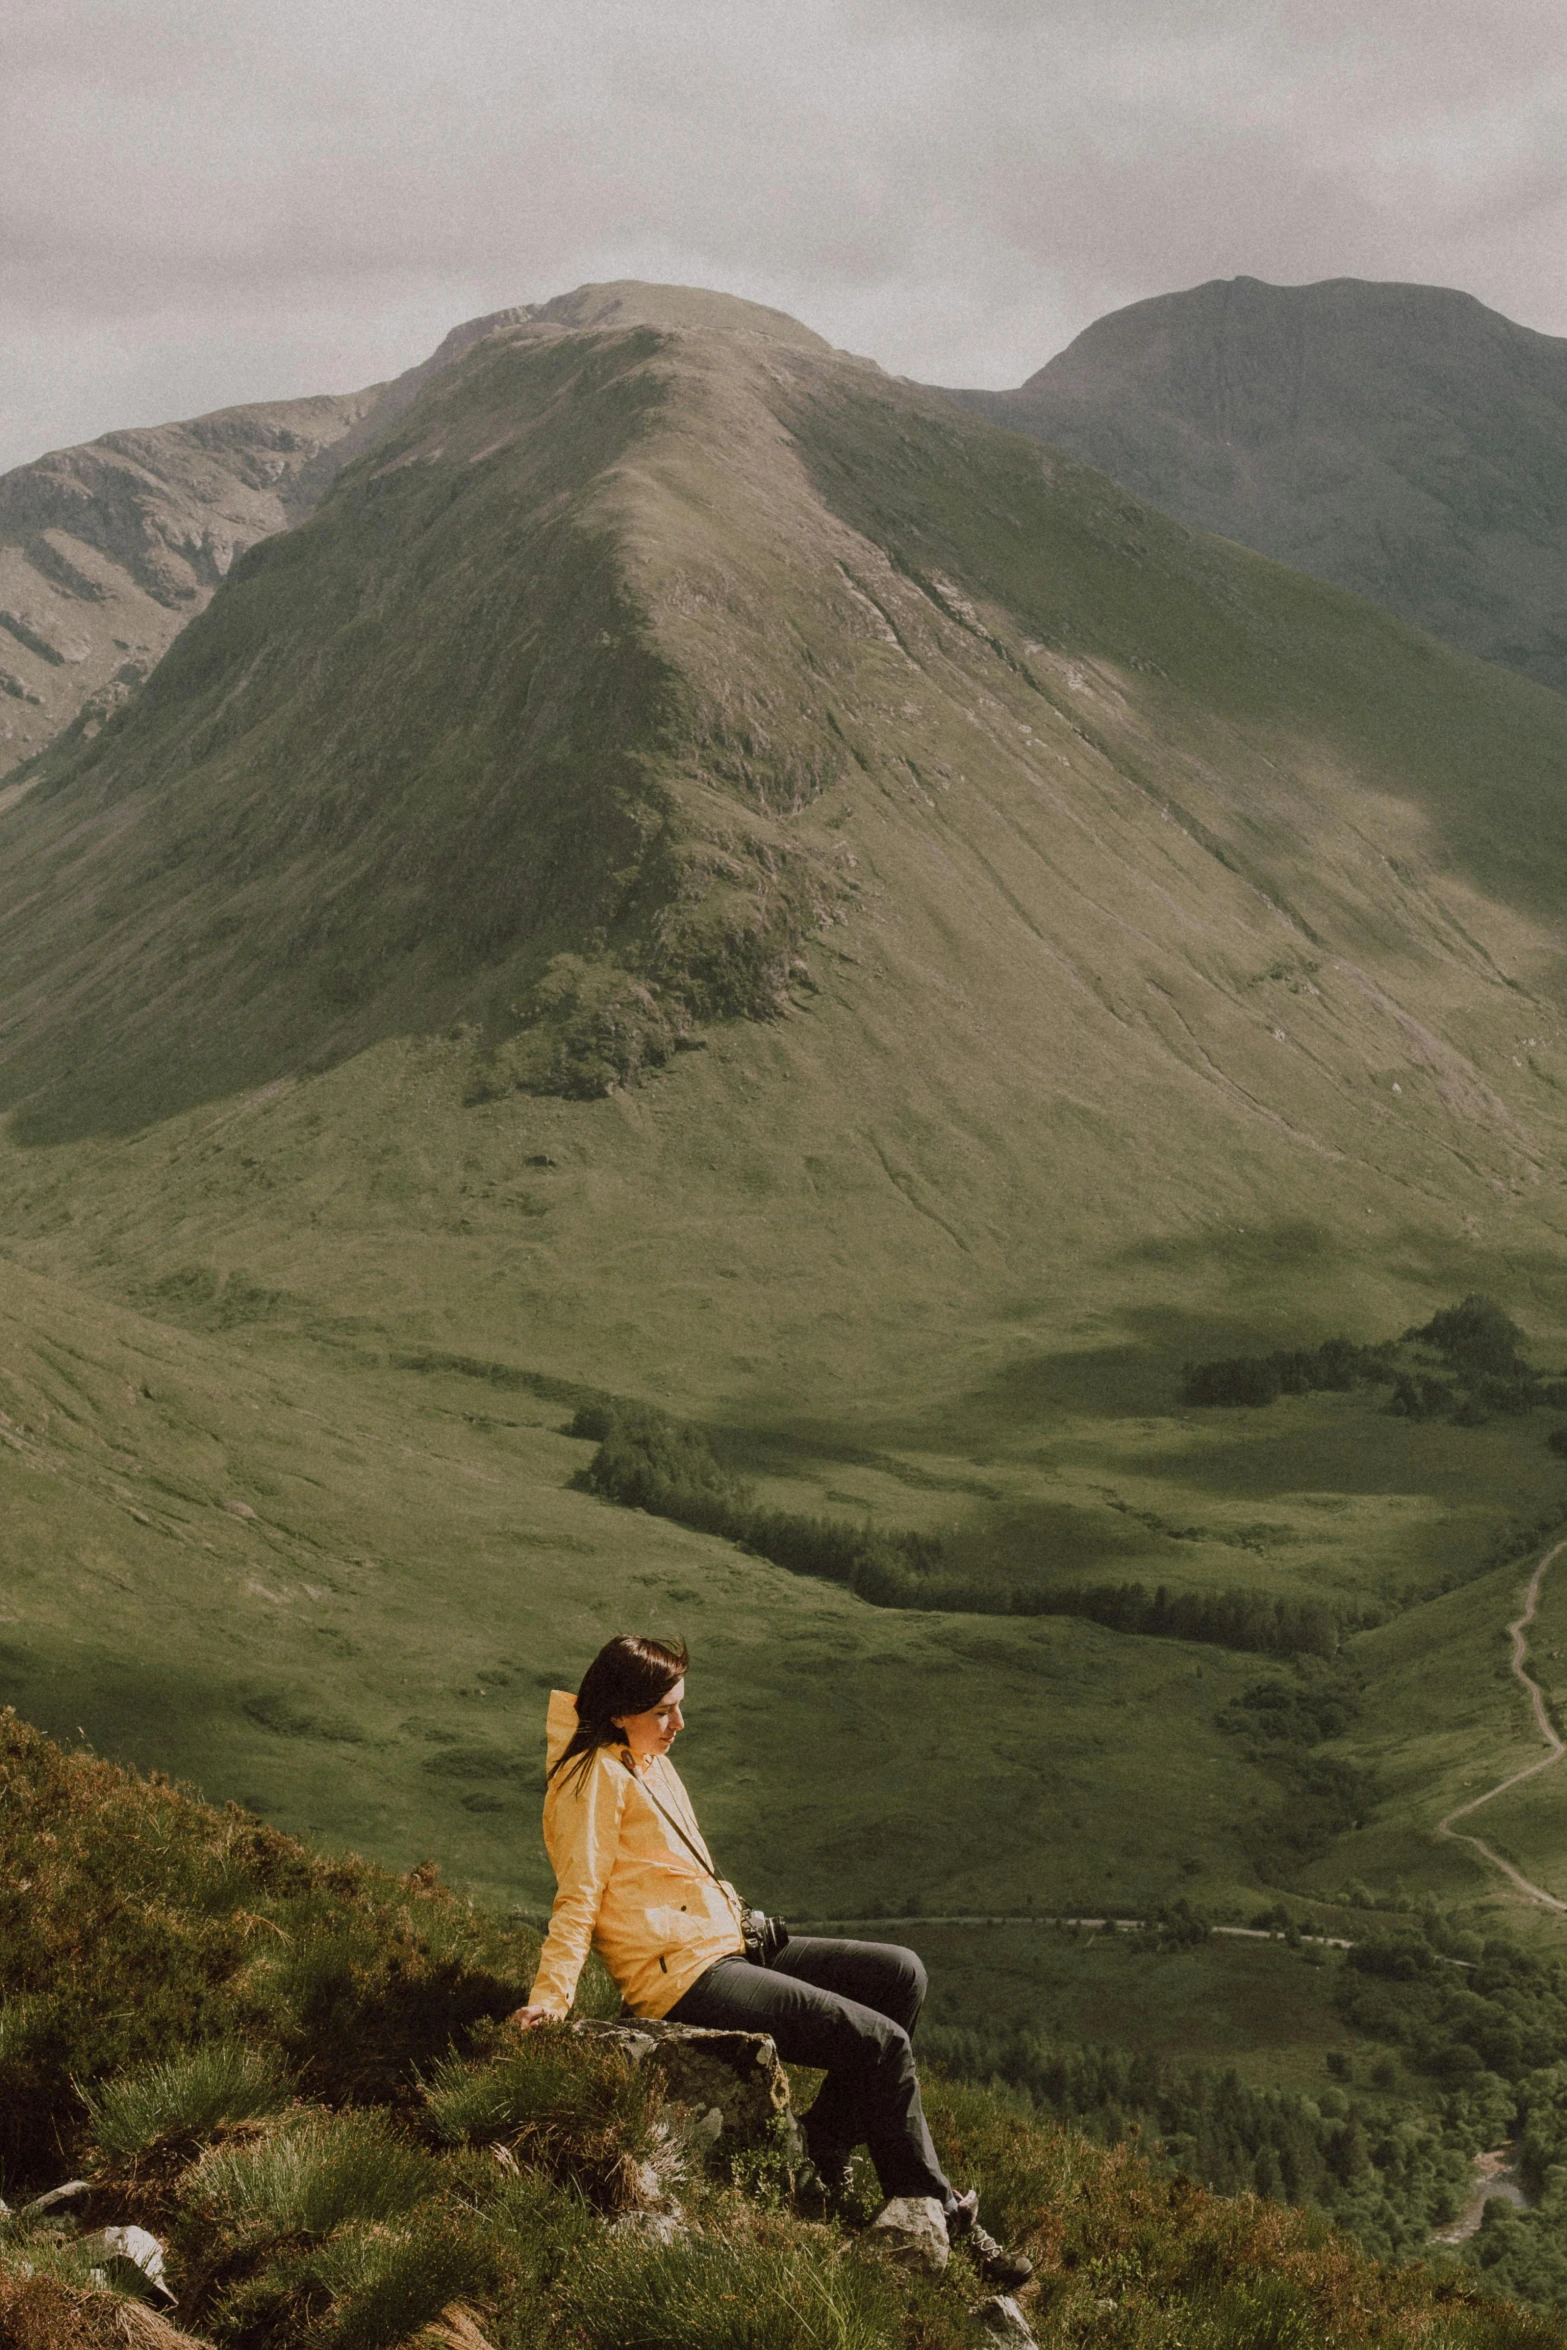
<point x="833" y="2165"/>
<point x="994" y="2262"/>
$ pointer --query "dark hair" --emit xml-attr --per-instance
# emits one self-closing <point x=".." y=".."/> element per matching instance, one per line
<point x="628" y="1676"/>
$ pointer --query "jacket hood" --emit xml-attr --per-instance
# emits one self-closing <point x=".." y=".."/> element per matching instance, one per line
<point x="560" y="1726"/>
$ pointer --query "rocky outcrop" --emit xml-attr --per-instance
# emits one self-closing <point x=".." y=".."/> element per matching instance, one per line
<point x="732" y="2084"/>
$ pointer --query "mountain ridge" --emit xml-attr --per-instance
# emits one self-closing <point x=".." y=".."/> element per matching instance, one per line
<point x="108" y="548"/>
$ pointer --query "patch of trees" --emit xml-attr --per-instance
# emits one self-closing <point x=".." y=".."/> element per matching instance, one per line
<point x="1484" y="2020"/>
<point x="1255" y="1620"/>
<point x="648" y="1460"/>
<point x="1390" y="2180"/>
<point x="1281" y="1723"/>
<point x="1488" y="2021"/>
<point x="1457" y="2007"/>
<point x="1481" y="1369"/>
<point x="1482" y="1349"/>
<point x="1334" y="1367"/>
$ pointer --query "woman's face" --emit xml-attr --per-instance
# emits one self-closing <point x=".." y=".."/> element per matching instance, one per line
<point x="655" y="1731"/>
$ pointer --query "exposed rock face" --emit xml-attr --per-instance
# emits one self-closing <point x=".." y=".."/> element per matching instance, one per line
<point x="1403" y="441"/>
<point x="106" y="551"/>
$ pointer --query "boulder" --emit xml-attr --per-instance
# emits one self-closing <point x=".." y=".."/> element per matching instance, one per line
<point x="1000" y="2320"/>
<point x="732" y="2082"/>
<point x="912" y="2230"/>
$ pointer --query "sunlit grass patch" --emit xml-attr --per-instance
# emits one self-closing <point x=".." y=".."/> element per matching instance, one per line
<point x="716" y="2293"/>
<point x="310" y="2176"/>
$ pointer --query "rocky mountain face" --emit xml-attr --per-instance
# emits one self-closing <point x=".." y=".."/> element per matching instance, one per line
<point x="1403" y="441"/>
<point x="106" y="551"/>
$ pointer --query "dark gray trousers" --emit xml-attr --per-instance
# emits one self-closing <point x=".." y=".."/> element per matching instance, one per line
<point x="848" y="2007"/>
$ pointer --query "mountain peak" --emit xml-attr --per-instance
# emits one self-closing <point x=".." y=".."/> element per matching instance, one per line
<point x="628" y="302"/>
<point x="1382" y="320"/>
<point x="1403" y="441"/>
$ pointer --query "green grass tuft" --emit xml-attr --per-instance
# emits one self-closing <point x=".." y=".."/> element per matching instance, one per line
<point x="716" y="2294"/>
<point x="187" y="2096"/>
<point x="579" y="2107"/>
<point x="309" y="2177"/>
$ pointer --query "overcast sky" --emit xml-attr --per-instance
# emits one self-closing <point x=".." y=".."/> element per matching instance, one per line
<point x="205" y="201"/>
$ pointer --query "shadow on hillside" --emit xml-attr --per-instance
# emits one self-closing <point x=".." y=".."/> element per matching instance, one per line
<point x="159" y="1716"/>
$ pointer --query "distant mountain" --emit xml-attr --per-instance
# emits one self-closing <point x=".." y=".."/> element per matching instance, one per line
<point x="1403" y="441"/>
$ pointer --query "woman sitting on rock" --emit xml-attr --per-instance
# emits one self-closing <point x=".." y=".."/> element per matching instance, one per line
<point x="636" y="1883"/>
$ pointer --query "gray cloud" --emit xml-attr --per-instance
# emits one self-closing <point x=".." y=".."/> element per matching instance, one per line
<point x="201" y="204"/>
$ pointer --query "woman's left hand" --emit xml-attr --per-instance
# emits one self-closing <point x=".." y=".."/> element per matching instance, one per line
<point x="523" y="2019"/>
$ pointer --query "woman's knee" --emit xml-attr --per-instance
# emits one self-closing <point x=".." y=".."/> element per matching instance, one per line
<point x="905" y="1981"/>
<point x="894" y="2052"/>
<point x="912" y="1968"/>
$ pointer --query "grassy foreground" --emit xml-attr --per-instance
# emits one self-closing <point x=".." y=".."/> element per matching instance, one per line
<point x="306" y="2098"/>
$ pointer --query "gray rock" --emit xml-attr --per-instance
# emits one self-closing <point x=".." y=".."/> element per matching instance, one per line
<point x="735" y="2076"/>
<point x="912" y="2230"/>
<point x="56" y="2195"/>
<point x="135" y="2248"/>
<point x="1000" y="2320"/>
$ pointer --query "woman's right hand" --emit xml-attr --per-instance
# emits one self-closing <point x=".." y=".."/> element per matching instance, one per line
<point x="523" y="2019"/>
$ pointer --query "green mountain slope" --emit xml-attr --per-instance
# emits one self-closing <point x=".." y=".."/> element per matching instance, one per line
<point x="1401" y="440"/>
<point x="668" y="652"/>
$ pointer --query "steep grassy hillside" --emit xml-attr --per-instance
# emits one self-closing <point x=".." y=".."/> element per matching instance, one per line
<point x="309" y="2102"/>
<point x="1403" y="441"/>
<point x="107" y="550"/>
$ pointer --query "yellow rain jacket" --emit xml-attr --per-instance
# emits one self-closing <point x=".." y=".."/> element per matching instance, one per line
<point x="628" y="1886"/>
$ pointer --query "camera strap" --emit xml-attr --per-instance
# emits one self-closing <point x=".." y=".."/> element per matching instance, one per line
<point x="697" y="1855"/>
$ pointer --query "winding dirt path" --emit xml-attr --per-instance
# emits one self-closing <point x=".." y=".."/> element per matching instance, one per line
<point x="1519" y="1629"/>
